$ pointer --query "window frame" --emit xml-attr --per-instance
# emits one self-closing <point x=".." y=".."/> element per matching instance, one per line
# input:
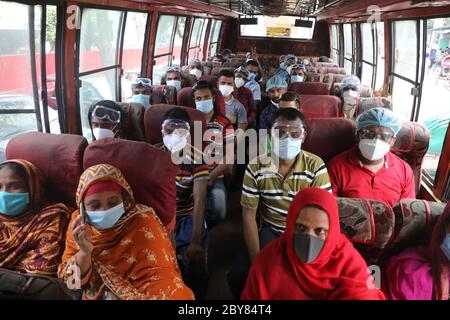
<point x="352" y="60"/>
<point x="212" y="31"/>
<point x="374" y="63"/>
<point x="336" y="50"/>
<point x="202" y="32"/>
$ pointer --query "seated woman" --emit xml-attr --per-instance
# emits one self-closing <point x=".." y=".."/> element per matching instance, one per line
<point x="32" y="230"/>
<point x="422" y="273"/>
<point x="106" y="120"/>
<point x="312" y="259"/>
<point x="115" y="248"/>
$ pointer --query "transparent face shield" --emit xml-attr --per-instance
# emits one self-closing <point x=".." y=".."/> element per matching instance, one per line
<point x="283" y="130"/>
<point x="180" y="128"/>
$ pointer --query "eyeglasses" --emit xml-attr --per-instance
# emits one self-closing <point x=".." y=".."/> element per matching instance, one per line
<point x="283" y="131"/>
<point x="173" y="69"/>
<point x="106" y="113"/>
<point x="241" y="70"/>
<point x="175" y="126"/>
<point x="299" y="66"/>
<point x="367" y="134"/>
<point x="141" y="82"/>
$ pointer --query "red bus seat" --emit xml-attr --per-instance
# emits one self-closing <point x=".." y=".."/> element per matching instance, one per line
<point x="233" y="64"/>
<point x="316" y="106"/>
<point x="149" y="171"/>
<point x="162" y="94"/>
<point x="331" y="70"/>
<point x="185" y="98"/>
<point x="134" y="128"/>
<point x="325" y="65"/>
<point x="215" y="72"/>
<point x="312" y="88"/>
<point x="365" y="104"/>
<point x="58" y="156"/>
<point x="154" y="118"/>
<point x="212" y="80"/>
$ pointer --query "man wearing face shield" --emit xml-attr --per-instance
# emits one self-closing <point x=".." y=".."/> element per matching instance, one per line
<point x="350" y="89"/>
<point x="142" y="89"/>
<point x="286" y="66"/>
<point x="105" y="119"/>
<point x="244" y="95"/>
<point x="173" y="77"/>
<point x="298" y="73"/>
<point x="370" y="170"/>
<point x="191" y="184"/>
<point x="254" y="75"/>
<point x="275" y="88"/>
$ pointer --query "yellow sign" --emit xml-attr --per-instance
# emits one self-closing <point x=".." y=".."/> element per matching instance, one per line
<point x="278" y="32"/>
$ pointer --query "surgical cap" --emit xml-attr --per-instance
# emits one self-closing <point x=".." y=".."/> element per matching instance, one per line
<point x="351" y="81"/>
<point x="275" y="82"/>
<point x="242" y="70"/>
<point x="300" y="66"/>
<point x="290" y="57"/>
<point x="381" y="117"/>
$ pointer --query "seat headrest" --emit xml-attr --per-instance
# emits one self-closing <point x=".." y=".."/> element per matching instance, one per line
<point x="134" y="128"/>
<point x="154" y="118"/>
<point x="163" y="94"/>
<point x="58" y="156"/>
<point x="314" y="88"/>
<point x="328" y="137"/>
<point x="365" y="104"/>
<point x="315" y="106"/>
<point x="212" y="80"/>
<point x="185" y="98"/>
<point x="215" y="72"/>
<point x="149" y="171"/>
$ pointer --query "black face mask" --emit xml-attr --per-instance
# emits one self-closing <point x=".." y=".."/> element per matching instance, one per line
<point x="307" y="247"/>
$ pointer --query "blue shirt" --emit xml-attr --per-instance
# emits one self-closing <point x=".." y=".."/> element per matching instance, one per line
<point x="266" y="115"/>
<point x="255" y="88"/>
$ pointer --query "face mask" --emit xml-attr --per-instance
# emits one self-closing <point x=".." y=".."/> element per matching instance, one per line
<point x="350" y="103"/>
<point x="289" y="69"/>
<point x="226" y="90"/>
<point x="13" y="204"/>
<point x="350" y="93"/>
<point x="106" y="219"/>
<point x="373" y="149"/>
<point x="307" y="247"/>
<point x="295" y="79"/>
<point x="142" y="99"/>
<point x="275" y="102"/>
<point x="205" y="106"/>
<point x="196" y="72"/>
<point x="174" y="142"/>
<point x="101" y="133"/>
<point x="174" y="83"/>
<point x="287" y="149"/>
<point x="239" y="82"/>
<point x="252" y="76"/>
<point x="445" y="247"/>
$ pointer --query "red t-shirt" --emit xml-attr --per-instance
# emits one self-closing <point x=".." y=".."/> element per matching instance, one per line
<point x="349" y="179"/>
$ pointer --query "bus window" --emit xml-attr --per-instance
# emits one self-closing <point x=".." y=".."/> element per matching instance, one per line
<point x="380" y="60"/>
<point x="335" y="53"/>
<point x="434" y="110"/>
<point x="99" y="50"/>
<point x="133" y="45"/>
<point x="178" y="41"/>
<point x="348" y="46"/>
<point x="196" y="37"/>
<point x="367" y="54"/>
<point x="214" y="41"/>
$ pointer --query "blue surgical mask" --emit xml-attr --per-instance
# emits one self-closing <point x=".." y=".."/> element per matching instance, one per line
<point x="13" y="204"/>
<point x="251" y="76"/>
<point x="106" y="219"/>
<point x="288" y="148"/>
<point x="445" y="247"/>
<point x="296" y="78"/>
<point x="205" y="106"/>
<point x="174" y="83"/>
<point x="142" y="99"/>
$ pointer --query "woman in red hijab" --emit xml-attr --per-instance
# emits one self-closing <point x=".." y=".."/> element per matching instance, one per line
<point x="312" y="259"/>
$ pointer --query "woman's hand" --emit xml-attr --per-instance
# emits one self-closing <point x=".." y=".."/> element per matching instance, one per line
<point x="81" y="236"/>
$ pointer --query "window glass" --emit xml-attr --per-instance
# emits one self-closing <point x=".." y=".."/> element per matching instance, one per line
<point x="402" y="99"/>
<point x="367" y="42"/>
<point x="335" y="34"/>
<point x="216" y="33"/>
<point x="367" y="73"/>
<point x="164" y="34"/>
<point x="158" y="68"/>
<point x="348" y="40"/>
<point x="405" y="46"/>
<point x="99" y="38"/>
<point x="279" y="27"/>
<point x="202" y="39"/>
<point x="178" y="42"/>
<point x="348" y="65"/>
<point x="196" y="33"/>
<point x="380" y="52"/>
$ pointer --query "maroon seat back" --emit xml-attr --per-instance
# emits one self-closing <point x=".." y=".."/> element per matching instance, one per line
<point x="313" y="88"/>
<point x="58" y="156"/>
<point x="134" y="128"/>
<point x="149" y="171"/>
<point x="315" y="106"/>
<point x="328" y="137"/>
<point x="154" y="118"/>
<point x="212" y="80"/>
<point x="215" y="72"/>
<point x="162" y="94"/>
<point x="185" y="98"/>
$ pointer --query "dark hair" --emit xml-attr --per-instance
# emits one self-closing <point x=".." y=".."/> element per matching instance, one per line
<point x="202" y="84"/>
<point x="324" y="59"/>
<point x="253" y="63"/>
<point x="225" y="73"/>
<point x="291" y="96"/>
<point x="17" y="169"/>
<point x="109" y="104"/>
<point x="226" y="51"/>
<point x="289" y="114"/>
<point x="219" y="56"/>
<point x="177" y="114"/>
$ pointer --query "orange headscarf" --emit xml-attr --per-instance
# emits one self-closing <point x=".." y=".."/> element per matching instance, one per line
<point x="34" y="241"/>
<point x="338" y="273"/>
<point x="132" y="260"/>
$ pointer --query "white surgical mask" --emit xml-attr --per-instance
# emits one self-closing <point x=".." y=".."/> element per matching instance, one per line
<point x="101" y="133"/>
<point x="226" y="90"/>
<point x="174" y="83"/>
<point x="287" y="149"/>
<point x="296" y="78"/>
<point x="374" y="149"/>
<point x="196" y="72"/>
<point x="175" y="142"/>
<point x="239" y="82"/>
<point x="350" y="93"/>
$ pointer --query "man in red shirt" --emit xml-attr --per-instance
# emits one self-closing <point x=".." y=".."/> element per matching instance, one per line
<point x="370" y="170"/>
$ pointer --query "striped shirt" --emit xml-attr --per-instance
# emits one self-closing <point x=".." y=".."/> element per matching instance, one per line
<point x="265" y="187"/>
<point x="186" y="176"/>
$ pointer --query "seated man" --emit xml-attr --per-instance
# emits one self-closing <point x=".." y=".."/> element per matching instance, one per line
<point x="219" y="135"/>
<point x="370" y="170"/>
<point x="275" y="87"/>
<point x="173" y="77"/>
<point x="290" y="99"/>
<point x="218" y="60"/>
<point x="227" y="54"/>
<point x="349" y="94"/>
<point x="298" y="73"/>
<point x="254" y="75"/>
<point x="106" y="120"/>
<point x="196" y="68"/>
<point x="191" y="183"/>
<point x="286" y="66"/>
<point x="235" y="110"/>
<point x="142" y="89"/>
<point x="244" y="95"/>
<point x="272" y="180"/>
